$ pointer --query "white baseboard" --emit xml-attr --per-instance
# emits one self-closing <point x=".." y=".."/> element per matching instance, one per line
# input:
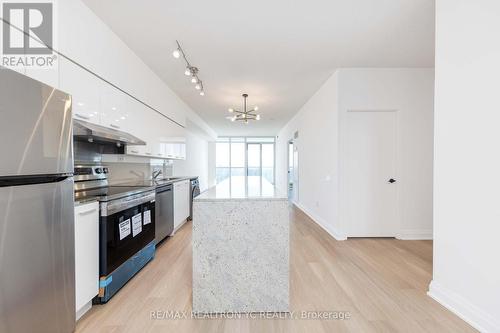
<point x="470" y="313"/>
<point x="415" y="234"/>
<point x="84" y="309"/>
<point x="322" y="223"/>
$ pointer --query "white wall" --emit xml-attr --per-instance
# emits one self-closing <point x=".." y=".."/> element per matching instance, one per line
<point x="466" y="276"/>
<point x="411" y="93"/>
<point x="320" y="124"/>
<point x="317" y="124"/>
<point x="196" y="163"/>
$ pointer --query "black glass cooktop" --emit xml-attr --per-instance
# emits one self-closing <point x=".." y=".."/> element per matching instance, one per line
<point x="110" y="192"/>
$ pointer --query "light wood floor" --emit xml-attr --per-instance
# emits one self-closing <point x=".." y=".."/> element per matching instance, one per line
<point x="381" y="282"/>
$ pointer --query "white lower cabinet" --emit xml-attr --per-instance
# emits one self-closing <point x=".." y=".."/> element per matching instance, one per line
<point x="86" y="256"/>
<point x="181" y="202"/>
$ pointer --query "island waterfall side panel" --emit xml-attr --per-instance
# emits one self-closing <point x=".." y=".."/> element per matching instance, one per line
<point x="241" y="256"/>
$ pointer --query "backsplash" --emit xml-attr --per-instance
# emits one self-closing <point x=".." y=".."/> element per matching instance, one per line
<point x="141" y="168"/>
<point x="121" y="171"/>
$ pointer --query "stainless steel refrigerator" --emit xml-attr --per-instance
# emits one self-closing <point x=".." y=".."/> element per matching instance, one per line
<point x="37" y="265"/>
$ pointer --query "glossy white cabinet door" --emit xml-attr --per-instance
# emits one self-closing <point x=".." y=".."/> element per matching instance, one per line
<point x="84" y="88"/>
<point x="86" y="254"/>
<point x="117" y="109"/>
<point x="181" y="202"/>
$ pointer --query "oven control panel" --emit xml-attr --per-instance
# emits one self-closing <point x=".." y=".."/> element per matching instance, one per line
<point x="90" y="172"/>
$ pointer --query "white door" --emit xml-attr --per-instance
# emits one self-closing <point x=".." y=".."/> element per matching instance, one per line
<point x="370" y="188"/>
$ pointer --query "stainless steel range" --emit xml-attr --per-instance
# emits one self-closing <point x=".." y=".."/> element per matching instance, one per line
<point x="126" y="226"/>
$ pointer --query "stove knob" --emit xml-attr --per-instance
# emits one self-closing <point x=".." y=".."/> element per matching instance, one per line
<point x="98" y="170"/>
<point x="105" y="170"/>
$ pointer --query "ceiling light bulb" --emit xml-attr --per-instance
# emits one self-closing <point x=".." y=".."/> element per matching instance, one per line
<point x="176" y="53"/>
<point x="202" y="93"/>
<point x="233" y="118"/>
<point x="188" y="71"/>
<point x="256" y="108"/>
<point x="197" y="86"/>
<point x="244" y="115"/>
<point x="230" y="110"/>
<point x="257" y="117"/>
<point x="194" y="80"/>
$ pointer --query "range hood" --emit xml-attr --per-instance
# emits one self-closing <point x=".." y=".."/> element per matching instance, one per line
<point x="85" y="131"/>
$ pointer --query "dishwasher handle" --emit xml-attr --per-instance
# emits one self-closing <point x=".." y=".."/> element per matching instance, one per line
<point x="164" y="189"/>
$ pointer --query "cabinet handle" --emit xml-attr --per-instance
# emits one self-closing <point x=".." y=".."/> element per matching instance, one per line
<point x="160" y="154"/>
<point x="134" y="151"/>
<point x="88" y="211"/>
<point x="82" y="116"/>
<point x="148" y="154"/>
<point x="114" y="126"/>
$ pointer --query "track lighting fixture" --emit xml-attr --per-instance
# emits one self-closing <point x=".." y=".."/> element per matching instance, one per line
<point x="190" y="71"/>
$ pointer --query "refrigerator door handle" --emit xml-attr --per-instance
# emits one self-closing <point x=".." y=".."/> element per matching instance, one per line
<point x="32" y="179"/>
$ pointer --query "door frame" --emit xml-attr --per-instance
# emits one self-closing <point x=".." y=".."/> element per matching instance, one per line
<point x="295" y="169"/>
<point x="398" y="224"/>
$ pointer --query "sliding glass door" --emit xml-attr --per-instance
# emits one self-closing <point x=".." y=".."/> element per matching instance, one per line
<point x="251" y="157"/>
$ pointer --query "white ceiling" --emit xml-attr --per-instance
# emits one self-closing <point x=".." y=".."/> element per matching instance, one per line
<point x="277" y="51"/>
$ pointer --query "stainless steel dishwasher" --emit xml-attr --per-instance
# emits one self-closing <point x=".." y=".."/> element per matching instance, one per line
<point x="164" y="212"/>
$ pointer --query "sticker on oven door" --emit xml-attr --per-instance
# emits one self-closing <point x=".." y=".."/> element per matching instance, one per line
<point x="147" y="217"/>
<point x="136" y="224"/>
<point x="124" y="228"/>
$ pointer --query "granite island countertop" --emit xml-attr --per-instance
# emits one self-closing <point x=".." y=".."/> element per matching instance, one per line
<point x="242" y="188"/>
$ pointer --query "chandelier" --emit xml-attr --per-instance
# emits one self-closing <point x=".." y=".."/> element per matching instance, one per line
<point x="244" y="115"/>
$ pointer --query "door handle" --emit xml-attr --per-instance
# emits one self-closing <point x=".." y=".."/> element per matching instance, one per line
<point x="88" y="211"/>
<point x="392" y="180"/>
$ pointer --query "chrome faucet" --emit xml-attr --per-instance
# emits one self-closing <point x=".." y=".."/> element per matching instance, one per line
<point x="156" y="174"/>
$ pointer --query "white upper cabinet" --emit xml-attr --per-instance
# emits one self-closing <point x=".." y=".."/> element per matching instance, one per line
<point x="164" y="138"/>
<point x="117" y="109"/>
<point x="84" y="89"/>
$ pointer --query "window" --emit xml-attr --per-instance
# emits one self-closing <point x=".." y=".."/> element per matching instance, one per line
<point x="222" y="165"/>
<point x="252" y="157"/>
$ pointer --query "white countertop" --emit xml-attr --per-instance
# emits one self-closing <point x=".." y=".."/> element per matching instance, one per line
<point x="240" y="187"/>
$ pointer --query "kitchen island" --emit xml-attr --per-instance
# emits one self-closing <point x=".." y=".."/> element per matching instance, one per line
<point x="241" y="248"/>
